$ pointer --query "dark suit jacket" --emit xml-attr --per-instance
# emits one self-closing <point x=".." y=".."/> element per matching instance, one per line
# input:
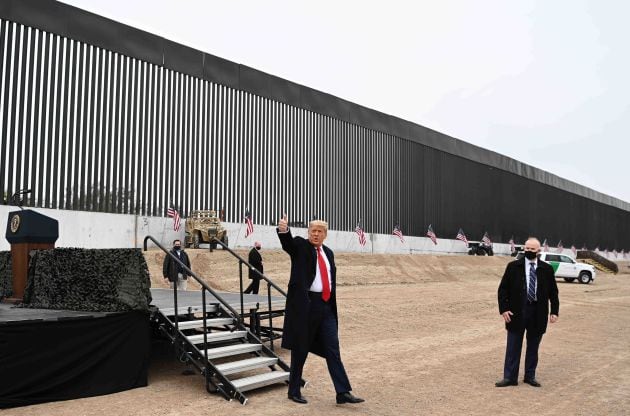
<point x="296" y="333"/>
<point x="255" y="259"/>
<point x="512" y="294"/>
<point x="170" y="268"/>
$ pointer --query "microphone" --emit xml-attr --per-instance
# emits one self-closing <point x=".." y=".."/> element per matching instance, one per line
<point x="15" y="198"/>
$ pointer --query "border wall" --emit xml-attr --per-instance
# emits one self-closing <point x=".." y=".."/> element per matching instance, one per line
<point x="102" y="117"/>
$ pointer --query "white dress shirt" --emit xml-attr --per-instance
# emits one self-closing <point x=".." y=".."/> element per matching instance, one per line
<point x="317" y="282"/>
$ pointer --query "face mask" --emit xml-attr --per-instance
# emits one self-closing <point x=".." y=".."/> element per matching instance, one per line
<point x="530" y="255"/>
<point x="177" y="248"/>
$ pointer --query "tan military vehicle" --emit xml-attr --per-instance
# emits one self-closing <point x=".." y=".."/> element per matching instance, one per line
<point x="202" y="226"/>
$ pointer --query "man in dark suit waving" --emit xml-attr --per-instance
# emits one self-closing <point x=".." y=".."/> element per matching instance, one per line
<point x="310" y="322"/>
<point x="526" y="290"/>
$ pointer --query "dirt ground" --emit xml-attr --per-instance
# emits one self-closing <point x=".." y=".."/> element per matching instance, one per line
<point x="420" y="335"/>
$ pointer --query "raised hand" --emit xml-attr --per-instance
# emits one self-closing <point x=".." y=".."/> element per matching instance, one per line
<point x="283" y="224"/>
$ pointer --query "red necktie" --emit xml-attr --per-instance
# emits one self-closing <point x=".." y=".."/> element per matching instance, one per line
<point x="323" y="272"/>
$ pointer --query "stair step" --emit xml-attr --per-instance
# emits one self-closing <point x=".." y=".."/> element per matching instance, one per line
<point x="260" y="380"/>
<point x="245" y="365"/>
<point x="597" y="265"/>
<point x="232" y="350"/>
<point x="217" y="336"/>
<point x="183" y="310"/>
<point x="209" y="322"/>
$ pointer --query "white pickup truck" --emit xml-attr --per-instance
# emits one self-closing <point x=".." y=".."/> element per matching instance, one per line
<point x="567" y="268"/>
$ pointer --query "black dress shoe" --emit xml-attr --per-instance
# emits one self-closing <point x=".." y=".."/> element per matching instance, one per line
<point x="298" y="399"/>
<point x="347" y="397"/>
<point x="532" y="382"/>
<point x="506" y="382"/>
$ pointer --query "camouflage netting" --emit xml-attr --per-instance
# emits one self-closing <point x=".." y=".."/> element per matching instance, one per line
<point x="106" y="280"/>
<point x="6" y="281"/>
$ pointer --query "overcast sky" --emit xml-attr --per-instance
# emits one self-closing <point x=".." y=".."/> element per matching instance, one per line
<point x="544" y="82"/>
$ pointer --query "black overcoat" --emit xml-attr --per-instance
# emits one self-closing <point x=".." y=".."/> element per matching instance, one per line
<point x="296" y="333"/>
<point x="255" y="259"/>
<point x="512" y="294"/>
<point x="170" y="267"/>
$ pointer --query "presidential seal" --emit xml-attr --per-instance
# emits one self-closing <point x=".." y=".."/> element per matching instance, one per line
<point x="15" y="223"/>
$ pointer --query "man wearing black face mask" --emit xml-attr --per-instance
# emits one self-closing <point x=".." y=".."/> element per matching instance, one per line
<point x="255" y="259"/>
<point x="172" y="271"/>
<point x="526" y="290"/>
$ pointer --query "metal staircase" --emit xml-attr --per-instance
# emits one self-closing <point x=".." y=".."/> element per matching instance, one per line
<point x="213" y="338"/>
<point x="599" y="262"/>
<point x="230" y="357"/>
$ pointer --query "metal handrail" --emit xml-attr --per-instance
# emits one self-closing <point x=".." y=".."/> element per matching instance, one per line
<point x="194" y="276"/>
<point x="238" y="317"/>
<point x="233" y="253"/>
<point x="270" y="283"/>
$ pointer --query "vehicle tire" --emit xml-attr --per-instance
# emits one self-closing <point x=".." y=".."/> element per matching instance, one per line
<point x="471" y="252"/>
<point x="225" y="241"/>
<point x="584" y="277"/>
<point x="481" y="251"/>
<point x="569" y="279"/>
<point x="213" y="246"/>
<point x="196" y="239"/>
<point x="490" y="252"/>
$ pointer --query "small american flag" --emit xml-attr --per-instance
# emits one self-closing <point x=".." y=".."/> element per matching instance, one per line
<point x="461" y="236"/>
<point x="486" y="239"/>
<point x="360" y="233"/>
<point x="432" y="235"/>
<point x="250" y="225"/>
<point x="398" y="233"/>
<point x="574" y="250"/>
<point x="512" y="245"/>
<point x="560" y="247"/>
<point x="172" y="213"/>
<point x="545" y="245"/>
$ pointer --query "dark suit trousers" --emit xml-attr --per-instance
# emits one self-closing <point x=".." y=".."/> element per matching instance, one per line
<point x="323" y="325"/>
<point x="515" y="344"/>
<point x="253" y="287"/>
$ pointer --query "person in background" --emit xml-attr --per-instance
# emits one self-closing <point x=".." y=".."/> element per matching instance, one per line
<point x="172" y="271"/>
<point x="256" y="261"/>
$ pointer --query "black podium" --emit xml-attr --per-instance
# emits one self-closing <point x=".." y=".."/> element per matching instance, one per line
<point x="27" y="230"/>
